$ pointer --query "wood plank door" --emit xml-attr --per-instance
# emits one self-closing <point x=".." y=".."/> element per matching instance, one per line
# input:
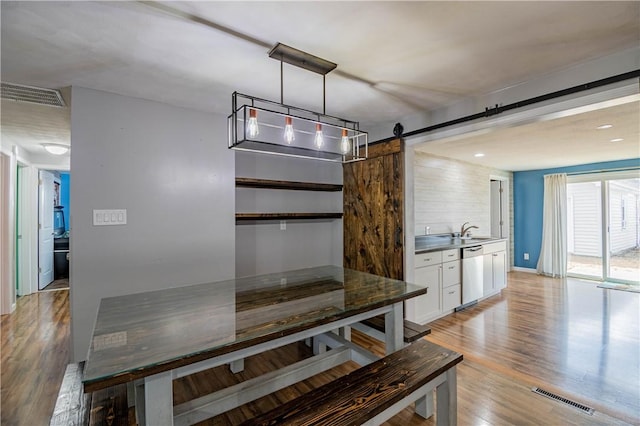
<point x="373" y="221"/>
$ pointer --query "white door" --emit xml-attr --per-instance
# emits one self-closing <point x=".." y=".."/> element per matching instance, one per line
<point x="45" y="233"/>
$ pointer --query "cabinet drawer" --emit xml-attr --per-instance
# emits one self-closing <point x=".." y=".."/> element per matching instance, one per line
<point x="426" y="259"/>
<point x="494" y="247"/>
<point x="450" y="273"/>
<point x="451" y="297"/>
<point x="449" y="255"/>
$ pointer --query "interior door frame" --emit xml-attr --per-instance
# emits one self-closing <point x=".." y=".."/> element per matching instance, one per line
<point x="27" y="218"/>
<point x="505" y="203"/>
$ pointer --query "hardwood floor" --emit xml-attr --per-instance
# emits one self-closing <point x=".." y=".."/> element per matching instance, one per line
<point x="59" y="284"/>
<point x="35" y="353"/>
<point x="565" y="336"/>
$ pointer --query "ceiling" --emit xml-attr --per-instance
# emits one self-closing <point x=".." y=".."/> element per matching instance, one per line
<point x="560" y="142"/>
<point x="395" y="59"/>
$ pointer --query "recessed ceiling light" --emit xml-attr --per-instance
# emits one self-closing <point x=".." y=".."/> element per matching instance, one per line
<point x="479" y="155"/>
<point x="604" y="126"/>
<point x="617" y="140"/>
<point x="55" y="148"/>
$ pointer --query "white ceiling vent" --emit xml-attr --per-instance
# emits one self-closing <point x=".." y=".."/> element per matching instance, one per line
<point x="34" y="95"/>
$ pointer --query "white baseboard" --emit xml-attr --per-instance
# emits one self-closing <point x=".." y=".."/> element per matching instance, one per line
<point x="521" y="269"/>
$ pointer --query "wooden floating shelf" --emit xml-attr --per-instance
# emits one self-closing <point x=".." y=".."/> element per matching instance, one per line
<point x="285" y="184"/>
<point x="285" y="216"/>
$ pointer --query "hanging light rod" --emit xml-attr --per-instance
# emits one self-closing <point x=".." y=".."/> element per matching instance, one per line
<point x="307" y="61"/>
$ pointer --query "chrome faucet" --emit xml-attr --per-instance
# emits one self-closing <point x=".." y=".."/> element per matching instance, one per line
<point x="463" y="230"/>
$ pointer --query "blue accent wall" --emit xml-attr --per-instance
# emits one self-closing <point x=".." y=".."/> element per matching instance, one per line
<point x="528" y="196"/>
<point x="65" y="180"/>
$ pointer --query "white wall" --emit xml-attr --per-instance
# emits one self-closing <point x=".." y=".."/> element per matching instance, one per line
<point x="448" y="193"/>
<point x="171" y="169"/>
<point x="8" y="170"/>
<point x="261" y="247"/>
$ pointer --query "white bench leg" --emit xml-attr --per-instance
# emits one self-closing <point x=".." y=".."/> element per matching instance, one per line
<point x="424" y="406"/>
<point x="345" y="332"/>
<point x="237" y="366"/>
<point x="394" y="329"/>
<point x="158" y="399"/>
<point x="318" y="346"/>
<point x="447" y="394"/>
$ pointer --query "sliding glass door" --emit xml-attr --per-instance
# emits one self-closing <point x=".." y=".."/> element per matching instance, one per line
<point x="603" y="238"/>
<point x="624" y="252"/>
<point x="584" y="229"/>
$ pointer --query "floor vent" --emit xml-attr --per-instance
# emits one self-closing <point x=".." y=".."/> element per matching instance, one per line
<point x="34" y="95"/>
<point x="581" y="407"/>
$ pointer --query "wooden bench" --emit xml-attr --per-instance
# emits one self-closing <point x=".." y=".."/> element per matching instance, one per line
<point x="412" y="330"/>
<point x="76" y="408"/>
<point x="374" y="393"/>
<point x="374" y="327"/>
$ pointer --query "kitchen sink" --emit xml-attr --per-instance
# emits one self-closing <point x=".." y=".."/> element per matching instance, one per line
<point x="468" y="240"/>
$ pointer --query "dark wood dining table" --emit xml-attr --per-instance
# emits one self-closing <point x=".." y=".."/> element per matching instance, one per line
<point x="147" y="340"/>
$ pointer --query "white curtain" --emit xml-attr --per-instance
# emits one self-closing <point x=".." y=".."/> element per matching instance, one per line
<point x="553" y="252"/>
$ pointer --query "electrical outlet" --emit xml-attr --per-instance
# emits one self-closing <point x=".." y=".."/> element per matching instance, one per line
<point x="283" y="225"/>
<point x="526" y="256"/>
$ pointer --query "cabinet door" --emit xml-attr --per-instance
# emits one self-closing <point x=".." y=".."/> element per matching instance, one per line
<point x="428" y="305"/>
<point x="487" y="274"/>
<point x="451" y="297"/>
<point x="499" y="270"/>
<point x="450" y="273"/>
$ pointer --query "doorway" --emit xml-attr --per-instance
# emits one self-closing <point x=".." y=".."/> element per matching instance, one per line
<point x="53" y="253"/>
<point x="603" y="227"/>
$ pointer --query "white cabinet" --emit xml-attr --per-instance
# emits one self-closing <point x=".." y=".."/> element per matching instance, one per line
<point x="451" y="297"/>
<point x="451" y="278"/>
<point x="427" y="306"/>
<point x="495" y="268"/>
<point x="439" y="271"/>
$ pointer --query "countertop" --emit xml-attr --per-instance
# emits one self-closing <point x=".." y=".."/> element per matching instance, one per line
<point x="427" y="243"/>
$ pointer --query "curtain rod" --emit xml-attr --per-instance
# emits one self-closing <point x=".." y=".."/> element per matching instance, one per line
<point x="619" y="169"/>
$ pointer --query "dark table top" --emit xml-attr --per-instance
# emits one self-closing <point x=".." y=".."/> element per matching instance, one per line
<point x="142" y="334"/>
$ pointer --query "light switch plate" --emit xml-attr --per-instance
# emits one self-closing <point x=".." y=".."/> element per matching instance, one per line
<point x="110" y="217"/>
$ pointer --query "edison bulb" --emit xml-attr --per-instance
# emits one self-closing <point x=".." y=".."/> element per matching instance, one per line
<point x="289" y="136"/>
<point x="252" y="125"/>
<point x="345" y="145"/>
<point x="319" y="138"/>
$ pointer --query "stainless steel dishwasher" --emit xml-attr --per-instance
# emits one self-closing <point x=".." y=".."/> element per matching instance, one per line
<point x="472" y="274"/>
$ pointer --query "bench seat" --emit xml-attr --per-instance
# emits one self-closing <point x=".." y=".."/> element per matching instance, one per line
<point x="412" y="330"/>
<point x="374" y="393"/>
<point x="75" y="408"/>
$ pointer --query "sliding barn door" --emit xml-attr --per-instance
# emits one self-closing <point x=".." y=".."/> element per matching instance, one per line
<point x="373" y="192"/>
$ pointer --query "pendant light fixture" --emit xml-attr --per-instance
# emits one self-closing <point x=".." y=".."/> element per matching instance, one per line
<point x="292" y="131"/>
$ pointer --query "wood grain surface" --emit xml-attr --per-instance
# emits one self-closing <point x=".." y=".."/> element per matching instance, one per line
<point x="286" y="216"/>
<point x="142" y="334"/>
<point x="503" y="359"/>
<point x="286" y="185"/>
<point x="373" y="219"/>
<point x="362" y="394"/>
